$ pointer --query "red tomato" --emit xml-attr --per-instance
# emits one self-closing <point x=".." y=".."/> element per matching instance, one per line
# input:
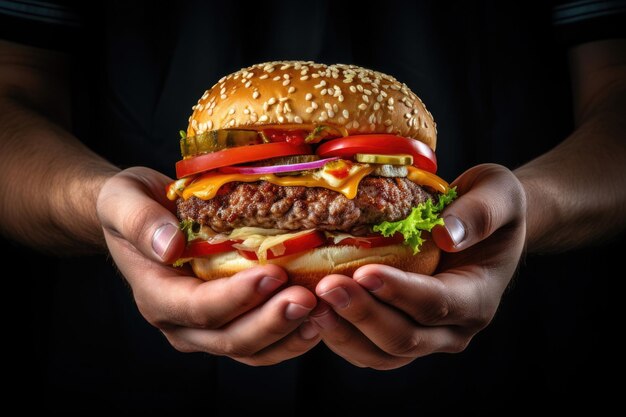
<point x="423" y="157"/>
<point x="238" y="155"/>
<point x="294" y="245"/>
<point x="295" y="137"/>
<point x="373" y="241"/>
<point x="199" y="248"/>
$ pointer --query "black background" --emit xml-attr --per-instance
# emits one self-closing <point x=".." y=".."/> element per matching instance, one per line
<point x="496" y="81"/>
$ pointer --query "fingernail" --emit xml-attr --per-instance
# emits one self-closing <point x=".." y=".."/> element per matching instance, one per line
<point x="370" y="282"/>
<point x="296" y="311"/>
<point x="162" y="238"/>
<point x="268" y="284"/>
<point x="308" y="331"/>
<point x="455" y="228"/>
<point x="325" y="317"/>
<point x="337" y="297"/>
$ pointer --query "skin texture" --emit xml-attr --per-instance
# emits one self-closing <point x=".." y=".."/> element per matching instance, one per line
<point x="380" y="317"/>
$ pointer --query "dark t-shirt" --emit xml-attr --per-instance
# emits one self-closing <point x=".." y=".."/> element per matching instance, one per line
<point x="495" y="77"/>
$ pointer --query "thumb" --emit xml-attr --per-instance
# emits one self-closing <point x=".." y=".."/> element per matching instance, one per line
<point x="490" y="197"/>
<point x="132" y="206"/>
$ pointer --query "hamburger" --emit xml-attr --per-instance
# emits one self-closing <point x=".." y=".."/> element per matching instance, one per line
<point x="317" y="168"/>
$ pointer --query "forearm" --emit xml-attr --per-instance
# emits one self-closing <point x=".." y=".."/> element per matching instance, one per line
<point x="50" y="183"/>
<point x="576" y="193"/>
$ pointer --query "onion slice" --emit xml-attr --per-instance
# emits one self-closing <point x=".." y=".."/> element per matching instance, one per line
<point x="277" y="168"/>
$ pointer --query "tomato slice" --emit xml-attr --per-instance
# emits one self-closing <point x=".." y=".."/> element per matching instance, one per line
<point x="297" y="244"/>
<point x="195" y="249"/>
<point x="373" y="241"/>
<point x="423" y="156"/>
<point x="238" y="155"/>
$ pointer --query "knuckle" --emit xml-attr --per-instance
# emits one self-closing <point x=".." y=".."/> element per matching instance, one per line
<point x="360" y="314"/>
<point x="180" y="344"/>
<point x="459" y="345"/>
<point x="236" y="349"/>
<point x="436" y="307"/>
<point x="406" y="346"/>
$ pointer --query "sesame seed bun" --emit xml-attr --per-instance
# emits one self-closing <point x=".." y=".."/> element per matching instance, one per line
<point x="309" y="268"/>
<point x="353" y="99"/>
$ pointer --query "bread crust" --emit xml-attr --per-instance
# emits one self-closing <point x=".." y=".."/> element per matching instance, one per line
<point x="309" y="268"/>
<point x="303" y="95"/>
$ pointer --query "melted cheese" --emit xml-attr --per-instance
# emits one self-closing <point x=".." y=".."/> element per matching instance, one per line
<point x="206" y="186"/>
<point x="427" y="179"/>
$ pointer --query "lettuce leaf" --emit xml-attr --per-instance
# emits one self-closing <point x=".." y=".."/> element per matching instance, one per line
<point x="423" y="217"/>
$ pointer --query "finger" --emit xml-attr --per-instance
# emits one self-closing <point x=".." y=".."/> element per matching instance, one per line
<point x="298" y="342"/>
<point x="186" y="301"/>
<point x="490" y="196"/>
<point x="389" y="329"/>
<point x="448" y="299"/>
<point x="253" y="331"/>
<point x="132" y="205"/>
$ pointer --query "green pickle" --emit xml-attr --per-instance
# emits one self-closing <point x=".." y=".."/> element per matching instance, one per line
<point x="216" y="140"/>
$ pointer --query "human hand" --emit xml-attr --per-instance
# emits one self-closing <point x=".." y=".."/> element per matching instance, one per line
<point x="384" y="318"/>
<point x="243" y="317"/>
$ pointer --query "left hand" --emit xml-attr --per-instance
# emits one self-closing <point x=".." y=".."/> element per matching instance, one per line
<point x="384" y="318"/>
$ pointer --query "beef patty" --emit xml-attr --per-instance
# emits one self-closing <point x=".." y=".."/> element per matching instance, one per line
<point x="262" y="204"/>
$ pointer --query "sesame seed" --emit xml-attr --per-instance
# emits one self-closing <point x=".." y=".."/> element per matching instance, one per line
<point x="271" y="70"/>
<point x="209" y="124"/>
<point x="389" y="129"/>
<point x="308" y="96"/>
<point x="223" y="96"/>
<point x="286" y="108"/>
<point x="231" y="111"/>
<point x="372" y="118"/>
<point x="248" y="84"/>
<point x="395" y="87"/>
<point x="286" y="76"/>
<point x="365" y="98"/>
<point x="283" y="99"/>
<point x="366" y="91"/>
<point x="328" y="106"/>
<point x="331" y="113"/>
<point x="346" y="113"/>
<point x="360" y="88"/>
<point x="304" y="78"/>
<point x="271" y="101"/>
<point x="264" y="76"/>
<point x="223" y="90"/>
<point x="291" y="89"/>
<point x="222" y="79"/>
<point x="323" y="92"/>
<point x="362" y="106"/>
<point x="281" y="119"/>
<point x="407" y="115"/>
<point x="387" y="122"/>
<point x="314" y="105"/>
<point x="232" y="122"/>
<point x="304" y="71"/>
<point x="265" y="106"/>
<point x="315" y="75"/>
<point x="246" y="111"/>
<point x="284" y="67"/>
<point x="255" y="95"/>
<point x="309" y="110"/>
<point x="276" y="78"/>
<point x="340" y="98"/>
<point x="210" y="111"/>
<point x="390" y="101"/>
<point x="263" y="118"/>
<point x="254" y="118"/>
<point x="320" y="85"/>
<point x="335" y="108"/>
<point x="379" y="98"/>
<point x="376" y="106"/>
<point x="355" y="124"/>
<point x="353" y="89"/>
<point x="414" y="111"/>
<point x="411" y="122"/>
<point x="297" y="119"/>
<point x="250" y="74"/>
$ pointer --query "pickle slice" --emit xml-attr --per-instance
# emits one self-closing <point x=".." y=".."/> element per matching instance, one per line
<point x="216" y="140"/>
<point x="369" y="158"/>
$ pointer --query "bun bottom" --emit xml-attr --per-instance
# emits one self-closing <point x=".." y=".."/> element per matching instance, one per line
<point x="308" y="268"/>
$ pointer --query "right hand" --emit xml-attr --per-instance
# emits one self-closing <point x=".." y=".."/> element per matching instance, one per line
<point x="243" y="317"/>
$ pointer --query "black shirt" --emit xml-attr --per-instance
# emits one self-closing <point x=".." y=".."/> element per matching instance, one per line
<point x="495" y="77"/>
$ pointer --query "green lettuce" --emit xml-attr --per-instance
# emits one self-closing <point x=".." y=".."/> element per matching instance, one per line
<point x="423" y="217"/>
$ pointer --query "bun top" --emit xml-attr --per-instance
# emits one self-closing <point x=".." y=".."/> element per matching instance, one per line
<point x="300" y="94"/>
